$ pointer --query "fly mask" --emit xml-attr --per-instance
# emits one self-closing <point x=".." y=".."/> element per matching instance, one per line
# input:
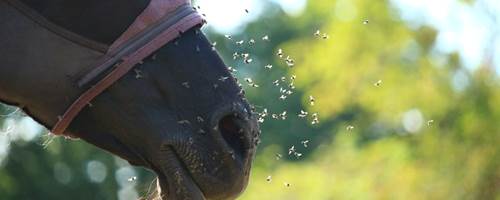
<point x="161" y="22"/>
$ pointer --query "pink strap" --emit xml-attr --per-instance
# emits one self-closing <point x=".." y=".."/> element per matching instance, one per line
<point x="155" y="11"/>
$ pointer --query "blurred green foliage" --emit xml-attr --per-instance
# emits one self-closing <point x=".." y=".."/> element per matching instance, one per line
<point x="372" y="72"/>
<point x="57" y="168"/>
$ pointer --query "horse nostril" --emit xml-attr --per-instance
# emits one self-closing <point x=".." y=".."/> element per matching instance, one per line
<point x="233" y="130"/>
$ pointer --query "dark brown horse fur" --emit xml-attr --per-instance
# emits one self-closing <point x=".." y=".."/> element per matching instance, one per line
<point x="175" y="113"/>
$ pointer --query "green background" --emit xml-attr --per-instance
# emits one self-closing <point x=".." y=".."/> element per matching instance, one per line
<point x="429" y="130"/>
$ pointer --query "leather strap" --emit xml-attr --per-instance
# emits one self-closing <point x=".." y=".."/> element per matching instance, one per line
<point x="139" y="41"/>
<point x="133" y="39"/>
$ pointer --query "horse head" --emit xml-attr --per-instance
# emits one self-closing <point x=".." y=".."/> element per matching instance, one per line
<point x="179" y="112"/>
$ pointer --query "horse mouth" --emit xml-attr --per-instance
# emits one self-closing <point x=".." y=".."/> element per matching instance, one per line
<point x="225" y="181"/>
<point x="180" y="183"/>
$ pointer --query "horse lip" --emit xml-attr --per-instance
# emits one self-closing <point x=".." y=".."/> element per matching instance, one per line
<point x="178" y="172"/>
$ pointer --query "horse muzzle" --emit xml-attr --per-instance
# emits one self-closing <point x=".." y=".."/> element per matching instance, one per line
<point x="214" y="164"/>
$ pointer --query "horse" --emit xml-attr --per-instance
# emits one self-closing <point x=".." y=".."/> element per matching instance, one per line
<point x="178" y="112"/>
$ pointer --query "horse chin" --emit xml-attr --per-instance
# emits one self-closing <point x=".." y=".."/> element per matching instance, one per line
<point x="178" y="182"/>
